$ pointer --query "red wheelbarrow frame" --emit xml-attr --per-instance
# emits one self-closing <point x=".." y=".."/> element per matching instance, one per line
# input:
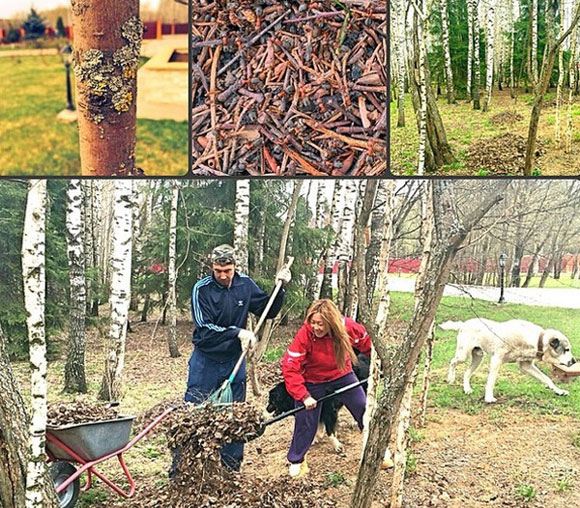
<point x="89" y="466"/>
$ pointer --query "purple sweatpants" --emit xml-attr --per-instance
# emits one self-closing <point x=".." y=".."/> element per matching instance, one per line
<point x="306" y="422"/>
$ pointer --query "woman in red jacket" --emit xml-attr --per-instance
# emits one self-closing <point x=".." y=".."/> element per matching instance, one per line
<point x="319" y="361"/>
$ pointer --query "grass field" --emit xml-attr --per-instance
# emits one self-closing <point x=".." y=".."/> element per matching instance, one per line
<point x="465" y="126"/>
<point x="513" y="387"/>
<point x="34" y="143"/>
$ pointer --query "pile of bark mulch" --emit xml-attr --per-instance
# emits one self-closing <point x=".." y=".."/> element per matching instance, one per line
<point x="506" y="118"/>
<point x="501" y="155"/>
<point x="79" y="411"/>
<point x="199" y="432"/>
<point x="289" y="87"/>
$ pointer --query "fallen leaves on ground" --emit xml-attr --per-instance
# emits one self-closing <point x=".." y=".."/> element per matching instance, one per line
<point x="500" y="155"/>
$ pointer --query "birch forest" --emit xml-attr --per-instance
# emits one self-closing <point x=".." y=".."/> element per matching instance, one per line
<point x="485" y="87"/>
<point x="96" y="284"/>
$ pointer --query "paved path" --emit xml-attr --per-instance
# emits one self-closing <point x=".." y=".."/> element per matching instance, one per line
<point x="28" y="52"/>
<point x="565" y="298"/>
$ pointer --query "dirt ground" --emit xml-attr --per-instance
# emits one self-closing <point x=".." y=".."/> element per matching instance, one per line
<point x="497" y="457"/>
<point x="463" y="461"/>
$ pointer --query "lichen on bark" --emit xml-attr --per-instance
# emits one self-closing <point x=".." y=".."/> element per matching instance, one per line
<point x="107" y="79"/>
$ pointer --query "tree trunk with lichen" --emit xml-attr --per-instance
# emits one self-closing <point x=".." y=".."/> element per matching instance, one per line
<point x="108" y="37"/>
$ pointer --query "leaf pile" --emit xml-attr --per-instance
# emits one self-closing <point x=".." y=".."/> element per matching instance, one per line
<point x="501" y="155"/>
<point x="269" y="374"/>
<point x="79" y="411"/>
<point x="201" y="481"/>
<point x="289" y="87"/>
<point x="506" y="118"/>
<point x="148" y="416"/>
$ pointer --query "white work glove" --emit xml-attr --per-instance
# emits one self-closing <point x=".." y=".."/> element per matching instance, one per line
<point x="309" y="403"/>
<point x="247" y="339"/>
<point x="284" y="275"/>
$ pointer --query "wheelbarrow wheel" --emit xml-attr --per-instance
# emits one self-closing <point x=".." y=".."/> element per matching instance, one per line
<point x="60" y="472"/>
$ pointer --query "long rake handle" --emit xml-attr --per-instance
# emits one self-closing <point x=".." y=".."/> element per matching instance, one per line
<point x="318" y="401"/>
<point x="259" y="325"/>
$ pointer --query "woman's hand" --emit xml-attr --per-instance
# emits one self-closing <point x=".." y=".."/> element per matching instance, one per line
<point x="309" y="403"/>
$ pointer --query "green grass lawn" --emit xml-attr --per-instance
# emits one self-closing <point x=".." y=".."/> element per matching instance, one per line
<point x="513" y="388"/>
<point x="34" y="143"/>
<point x="464" y="126"/>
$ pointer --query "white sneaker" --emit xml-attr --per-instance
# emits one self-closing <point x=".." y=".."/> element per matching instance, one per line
<point x="298" y="470"/>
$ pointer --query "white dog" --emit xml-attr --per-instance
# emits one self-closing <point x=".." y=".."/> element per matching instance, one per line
<point x="516" y="341"/>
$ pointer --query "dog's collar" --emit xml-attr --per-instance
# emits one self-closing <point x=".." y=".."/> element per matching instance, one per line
<point x="540" y="352"/>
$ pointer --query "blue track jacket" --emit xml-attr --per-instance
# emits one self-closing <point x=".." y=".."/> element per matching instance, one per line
<point x="219" y="313"/>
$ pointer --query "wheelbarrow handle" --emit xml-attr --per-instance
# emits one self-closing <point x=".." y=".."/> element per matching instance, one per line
<point x="318" y="401"/>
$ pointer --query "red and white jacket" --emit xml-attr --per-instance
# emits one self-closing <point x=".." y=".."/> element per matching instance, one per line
<point x="310" y="359"/>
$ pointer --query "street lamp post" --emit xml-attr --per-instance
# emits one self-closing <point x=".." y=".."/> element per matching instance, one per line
<point x="502" y="259"/>
<point x="66" y="52"/>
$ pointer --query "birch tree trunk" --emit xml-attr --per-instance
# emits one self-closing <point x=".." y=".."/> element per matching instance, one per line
<point x="345" y="238"/>
<point x="74" y="370"/>
<point x="574" y="65"/>
<point x="33" y="276"/>
<point x="490" y="55"/>
<point x="329" y="282"/>
<point x="172" y="273"/>
<point x="108" y="37"/>
<point x="120" y="290"/>
<point x="512" y="48"/>
<point x="242" y="220"/>
<point x="398" y="361"/>
<point x="541" y="88"/>
<point x="447" y="52"/>
<point x="534" y="42"/>
<point x="399" y="14"/>
<point x="476" y="64"/>
<point x="426" y="379"/>
<point x="561" y="73"/>
<point x="401" y="443"/>
<point x="470" y="49"/>
<point x="380" y="306"/>
<point x="421" y="50"/>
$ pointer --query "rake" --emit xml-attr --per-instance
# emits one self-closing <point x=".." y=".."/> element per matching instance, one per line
<point x="224" y="395"/>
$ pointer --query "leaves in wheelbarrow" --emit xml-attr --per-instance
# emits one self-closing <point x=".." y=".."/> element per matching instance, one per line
<point x="79" y="411"/>
<point x="199" y="432"/>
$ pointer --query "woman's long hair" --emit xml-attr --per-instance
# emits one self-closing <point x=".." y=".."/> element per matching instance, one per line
<point x="331" y="315"/>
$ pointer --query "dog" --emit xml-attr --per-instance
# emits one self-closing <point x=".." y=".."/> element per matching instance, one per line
<point x="280" y="401"/>
<point x="514" y="341"/>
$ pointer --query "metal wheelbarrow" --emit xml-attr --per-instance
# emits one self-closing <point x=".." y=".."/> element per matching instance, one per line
<point x="79" y="448"/>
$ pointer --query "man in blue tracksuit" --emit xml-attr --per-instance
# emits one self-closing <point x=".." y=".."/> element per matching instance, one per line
<point x="220" y="305"/>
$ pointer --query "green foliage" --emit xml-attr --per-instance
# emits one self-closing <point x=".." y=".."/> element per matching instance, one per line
<point x="564" y="484"/>
<point x="411" y="463"/>
<point x="273" y="353"/>
<point x="13" y="35"/>
<point x="458" y="44"/>
<point x="12" y="313"/>
<point x="513" y="388"/>
<point x="33" y="26"/>
<point x="335" y="478"/>
<point x="526" y="492"/>
<point x="576" y="440"/>
<point x="415" y="436"/>
<point x="60" y="28"/>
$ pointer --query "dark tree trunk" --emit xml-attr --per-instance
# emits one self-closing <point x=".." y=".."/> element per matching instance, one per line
<point x="14" y="423"/>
